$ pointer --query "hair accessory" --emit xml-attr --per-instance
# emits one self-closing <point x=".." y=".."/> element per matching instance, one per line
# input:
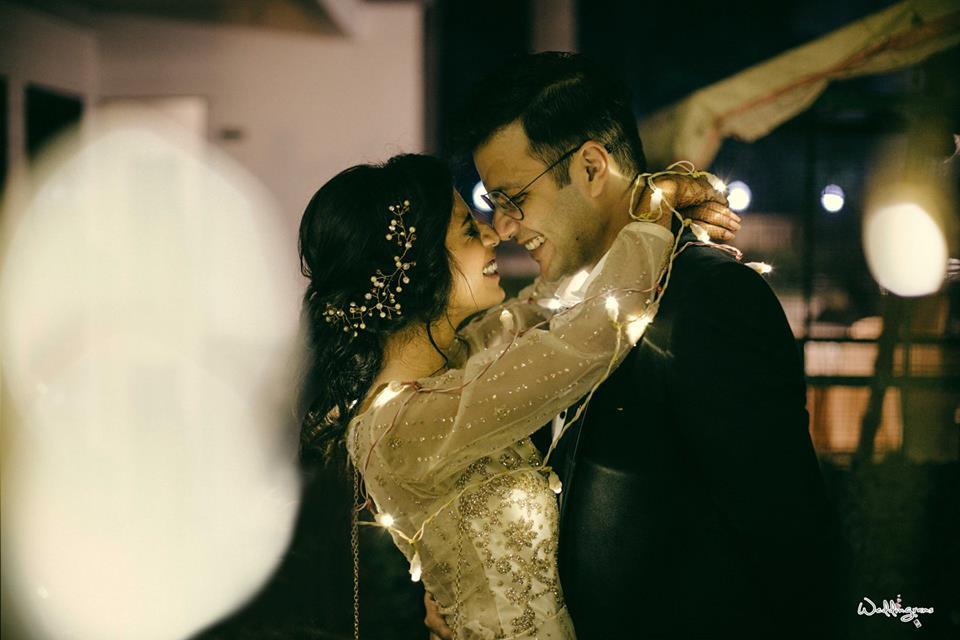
<point x="381" y="299"/>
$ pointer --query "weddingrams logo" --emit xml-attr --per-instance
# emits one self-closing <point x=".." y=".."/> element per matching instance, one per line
<point x="893" y="609"/>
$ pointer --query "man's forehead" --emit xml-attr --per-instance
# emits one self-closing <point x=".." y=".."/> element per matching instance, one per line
<point x="504" y="158"/>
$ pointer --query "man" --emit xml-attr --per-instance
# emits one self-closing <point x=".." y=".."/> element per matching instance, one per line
<point x="692" y="502"/>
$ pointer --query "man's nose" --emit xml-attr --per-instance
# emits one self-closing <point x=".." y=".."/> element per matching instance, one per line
<point x="507" y="227"/>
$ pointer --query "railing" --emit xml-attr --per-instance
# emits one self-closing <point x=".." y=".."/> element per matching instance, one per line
<point x="911" y="407"/>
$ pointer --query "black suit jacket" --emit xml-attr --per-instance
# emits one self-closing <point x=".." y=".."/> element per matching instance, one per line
<point x="693" y="504"/>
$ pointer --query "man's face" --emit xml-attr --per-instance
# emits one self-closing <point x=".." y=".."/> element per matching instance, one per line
<point x="561" y="227"/>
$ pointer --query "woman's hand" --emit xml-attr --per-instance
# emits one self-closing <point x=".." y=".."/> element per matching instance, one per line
<point x="717" y="219"/>
<point x="697" y="199"/>
<point x="434" y="619"/>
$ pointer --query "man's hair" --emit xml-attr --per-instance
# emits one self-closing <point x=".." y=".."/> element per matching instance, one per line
<point x="562" y="100"/>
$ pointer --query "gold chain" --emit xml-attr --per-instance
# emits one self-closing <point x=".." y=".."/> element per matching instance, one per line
<point x="461" y="523"/>
<point x="355" y="545"/>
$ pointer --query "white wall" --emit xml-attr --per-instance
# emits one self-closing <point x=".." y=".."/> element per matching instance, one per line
<point x="307" y="105"/>
<point x="36" y="48"/>
<point x="554" y="25"/>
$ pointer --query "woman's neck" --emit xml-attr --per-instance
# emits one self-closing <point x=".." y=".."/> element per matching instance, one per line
<point x="410" y="354"/>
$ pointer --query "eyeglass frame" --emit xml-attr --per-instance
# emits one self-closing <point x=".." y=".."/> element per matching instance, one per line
<point x="493" y="208"/>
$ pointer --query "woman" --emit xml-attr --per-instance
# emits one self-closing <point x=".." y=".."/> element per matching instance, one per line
<point x="438" y="422"/>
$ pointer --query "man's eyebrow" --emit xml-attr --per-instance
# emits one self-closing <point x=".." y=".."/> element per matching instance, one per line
<point x="510" y="186"/>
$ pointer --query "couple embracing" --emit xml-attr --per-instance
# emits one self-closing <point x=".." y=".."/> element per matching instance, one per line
<point x="619" y="451"/>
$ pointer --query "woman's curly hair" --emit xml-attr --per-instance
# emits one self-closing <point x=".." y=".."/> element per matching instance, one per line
<point x="342" y="244"/>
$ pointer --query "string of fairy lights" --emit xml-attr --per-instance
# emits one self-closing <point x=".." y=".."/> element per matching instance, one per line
<point x="630" y="327"/>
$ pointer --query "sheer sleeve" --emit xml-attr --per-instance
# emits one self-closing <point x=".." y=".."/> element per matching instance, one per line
<point x="490" y="328"/>
<point x="504" y="394"/>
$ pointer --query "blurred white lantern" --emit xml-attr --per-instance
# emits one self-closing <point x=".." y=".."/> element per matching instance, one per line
<point x="148" y="323"/>
<point x="905" y="249"/>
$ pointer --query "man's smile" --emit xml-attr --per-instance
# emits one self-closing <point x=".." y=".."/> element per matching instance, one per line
<point x="534" y="242"/>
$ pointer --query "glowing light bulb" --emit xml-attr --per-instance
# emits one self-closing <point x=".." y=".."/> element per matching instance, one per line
<point x="415" y="568"/>
<point x="554" y="481"/>
<point x="391" y="391"/>
<point x="506" y="319"/>
<point x="385" y="519"/>
<point x="905" y="249"/>
<point x="716" y="183"/>
<point x="637" y="327"/>
<point x="700" y="233"/>
<point x="613" y="308"/>
<point x="656" y="199"/>
<point x="478" y="202"/>
<point x="738" y="195"/>
<point x="832" y="198"/>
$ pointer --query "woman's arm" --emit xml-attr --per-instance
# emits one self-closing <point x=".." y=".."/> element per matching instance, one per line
<point x="491" y="328"/>
<point x="504" y="394"/>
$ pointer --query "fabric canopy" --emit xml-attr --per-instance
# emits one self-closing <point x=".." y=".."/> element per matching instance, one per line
<point x="750" y="104"/>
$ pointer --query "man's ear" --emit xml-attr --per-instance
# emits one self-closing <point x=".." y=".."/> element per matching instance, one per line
<point x="595" y="167"/>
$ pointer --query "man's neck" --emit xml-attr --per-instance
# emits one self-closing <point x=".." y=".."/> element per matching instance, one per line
<point x="618" y="210"/>
<point x="616" y="207"/>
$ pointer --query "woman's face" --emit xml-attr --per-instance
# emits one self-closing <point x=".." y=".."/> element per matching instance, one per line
<point x="476" y="282"/>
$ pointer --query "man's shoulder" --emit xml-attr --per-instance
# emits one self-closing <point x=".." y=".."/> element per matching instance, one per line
<point x="698" y="257"/>
<point x="709" y="287"/>
<point x="700" y="270"/>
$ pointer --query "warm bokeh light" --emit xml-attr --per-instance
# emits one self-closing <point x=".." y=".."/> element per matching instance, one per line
<point x="738" y="195"/>
<point x="905" y="249"/>
<point x="478" y="203"/>
<point x="148" y="325"/>
<point x="832" y="198"/>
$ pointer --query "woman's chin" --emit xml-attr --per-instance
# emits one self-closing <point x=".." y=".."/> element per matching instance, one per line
<point x="499" y="296"/>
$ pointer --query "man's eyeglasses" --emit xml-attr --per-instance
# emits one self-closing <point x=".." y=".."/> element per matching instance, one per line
<point x="507" y="205"/>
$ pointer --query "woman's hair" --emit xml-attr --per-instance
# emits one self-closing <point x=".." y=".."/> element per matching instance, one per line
<point x="342" y="245"/>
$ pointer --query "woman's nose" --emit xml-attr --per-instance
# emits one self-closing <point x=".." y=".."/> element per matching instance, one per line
<point x="489" y="236"/>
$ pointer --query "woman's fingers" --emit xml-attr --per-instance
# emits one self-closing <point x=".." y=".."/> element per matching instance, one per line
<point x="434" y="619"/>
<point x="687" y="191"/>
<point x="717" y="233"/>
<point x="715" y="214"/>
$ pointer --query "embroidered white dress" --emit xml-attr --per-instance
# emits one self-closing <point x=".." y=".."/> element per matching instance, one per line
<point x="455" y="459"/>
